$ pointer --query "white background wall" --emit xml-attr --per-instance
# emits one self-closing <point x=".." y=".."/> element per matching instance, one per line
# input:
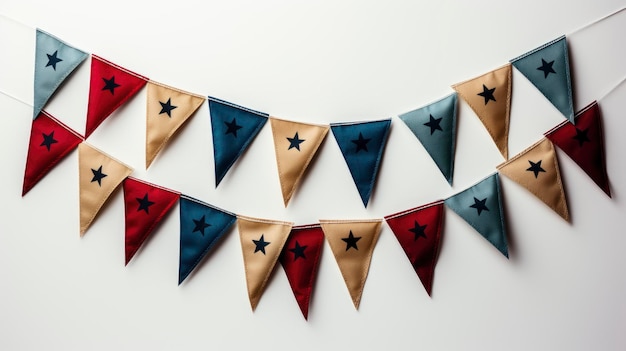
<point x="321" y="62"/>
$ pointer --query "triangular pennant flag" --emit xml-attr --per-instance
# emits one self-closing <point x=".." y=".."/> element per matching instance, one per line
<point x="109" y="88"/>
<point x="489" y="96"/>
<point x="435" y="127"/>
<point x="167" y="110"/>
<point x="295" y="144"/>
<point x="50" y="141"/>
<point x="145" y="205"/>
<point x="362" y="145"/>
<point x="352" y="243"/>
<point x="547" y="67"/>
<point x="300" y="259"/>
<point x="54" y="62"/>
<point x="262" y="241"/>
<point x="584" y="143"/>
<point x="537" y="170"/>
<point x="99" y="175"/>
<point x="481" y="207"/>
<point x="418" y="231"/>
<point x="234" y="127"/>
<point x="201" y="227"/>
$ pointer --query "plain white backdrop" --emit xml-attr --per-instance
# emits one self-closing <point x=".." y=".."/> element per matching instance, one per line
<point x="320" y="62"/>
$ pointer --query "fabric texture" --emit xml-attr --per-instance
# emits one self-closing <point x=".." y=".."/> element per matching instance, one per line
<point x="489" y="95"/>
<point x="434" y="126"/>
<point x="352" y="243"/>
<point x="50" y="141"/>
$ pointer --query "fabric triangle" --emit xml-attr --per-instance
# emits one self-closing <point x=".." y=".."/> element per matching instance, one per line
<point x="50" y="141"/>
<point x="418" y="231"/>
<point x="110" y="87"/>
<point x="481" y="207"/>
<point x="234" y="127"/>
<point x="295" y="145"/>
<point x="55" y="60"/>
<point x="362" y="145"/>
<point x="300" y="258"/>
<point x="352" y="243"/>
<point x="262" y="241"/>
<point x="167" y="110"/>
<point x="547" y="68"/>
<point x="584" y="143"/>
<point x="99" y="175"/>
<point x="435" y="127"/>
<point x="201" y="227"/>
<point x="537" y="170"/>
<point x="145" y="205"/>
<point x="489" y="96"/>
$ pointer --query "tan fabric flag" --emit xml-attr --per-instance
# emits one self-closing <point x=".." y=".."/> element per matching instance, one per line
<point x="262" y="241"/>
<point x="295" y="144"/>
<point x="352" y="243"/>
<point x="537" y="170"/>
<point x="490" y="97"/>
<point x="99" y="175"/>
<point x="167" y="110"/>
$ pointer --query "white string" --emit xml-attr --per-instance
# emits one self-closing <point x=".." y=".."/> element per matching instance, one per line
<point x="16" y="98"/>
<point x="16" y="21"/>
<point x="597" y="21"/>
<point x="611" y="90"/>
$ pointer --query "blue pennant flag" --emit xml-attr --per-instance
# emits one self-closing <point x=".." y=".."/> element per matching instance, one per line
<point x="435" y="127"/>
<point x="362" y="145"/>
<point x="54" y="62"/>
<point x="547" y="67"/>
<point x="201" y="227"/>
<point x="234" y="127"/>
<point x="481" y="207"/>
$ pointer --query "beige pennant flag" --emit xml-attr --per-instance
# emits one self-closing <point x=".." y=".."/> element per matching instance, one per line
<point x="99" y="175"/>
<point x="262" y="241"/>
<point x="490" y="97"/>
<point x="352" y="243"/>
<point x="167" y="110"/>
<point x="537" y="170"/>
<point x="295" y="144"/>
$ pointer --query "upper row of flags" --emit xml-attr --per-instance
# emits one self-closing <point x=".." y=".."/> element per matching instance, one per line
<point x="362" y="143"/>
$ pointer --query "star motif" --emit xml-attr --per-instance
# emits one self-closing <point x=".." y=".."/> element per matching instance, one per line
<point x="200" y="225"/>
<point x="97" y="176"/>
<point x="535" y="168"/>
<point x="581" y="136"/>
<point x="295" y="142"/>
<point x="167" y="107"/>
<point x="361" y="143"/>
<point x="298" y="251"/>
<point x="434" y="124"/>
<point x="479" y="205"/>
<point x="546" y="67"/>
<point x="260" y="244"/>
<point x="232" y="127"/>
<point x="110" y="85"/>
<point x="144" y="203"/>
<point x="351" y="241"/>
<point x="53" y="60"/>
<point x="418" y="230"/>
<point x="488" y="94"/>
<point x="48" y="140"/>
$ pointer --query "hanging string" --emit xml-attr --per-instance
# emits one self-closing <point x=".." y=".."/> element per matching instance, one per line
<point x="611" y="90"/>
<point x="597" y="21"/>
<point x="16" y="98"/>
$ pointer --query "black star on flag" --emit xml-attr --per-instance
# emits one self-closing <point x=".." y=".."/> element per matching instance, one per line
<point x="260" y="244"/>
<point x="144" y="203"/>
<point x="97" y="176"/>
<point x="488" y="94"/>
<point x="418" y="230"/>
<point x="295" y="142"/>
<point x="167" y="107"/>
<point x="434" y="124"/>
<point x="48" y="140"/>
<point x="535" y="168"/>
<point x="110" y="85"/>
<point x="361" y="143"/>
<point x="480" y="205"/>
<point x="232" y="127"/>
<point x="351" y="241"/>
<point x="200" y="225"/>
<point x="53" y="60"/>
<point x="581" y="136"/>
<point x="546" y="68"/>
<point x="298" y="251"/>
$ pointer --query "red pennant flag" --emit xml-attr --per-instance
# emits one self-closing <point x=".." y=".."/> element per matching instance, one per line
<point x="109" y="88"/>
<point x="145" y="206"/>
<point x="300" y="259"/>
<point x="418" y="231"/>
<point x="584" y="143"/>
<point x="50" y="142"/>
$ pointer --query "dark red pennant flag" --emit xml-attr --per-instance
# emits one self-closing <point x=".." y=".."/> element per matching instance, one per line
<point x="418" y="231"/>
<point x="300" y="258"/>
<point x="145" y="206"/>
<point x="110" y="86"/>
<point x="50" y="142"/>
<point x="584" y="143"/>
